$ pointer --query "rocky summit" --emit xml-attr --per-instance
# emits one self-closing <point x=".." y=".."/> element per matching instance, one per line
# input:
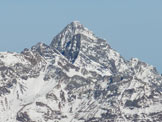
<point x="77" y="78"/>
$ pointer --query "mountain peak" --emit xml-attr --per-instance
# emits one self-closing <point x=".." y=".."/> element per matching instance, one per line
<point x="76" y="38"/>
<point x="79" y="45"/>
<point x="71" y="36"/>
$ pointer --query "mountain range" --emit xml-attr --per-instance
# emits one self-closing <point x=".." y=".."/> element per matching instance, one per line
<point x="79" y="77"/>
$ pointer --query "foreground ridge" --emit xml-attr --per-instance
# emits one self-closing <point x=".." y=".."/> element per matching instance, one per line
<point x="77" y="78"/>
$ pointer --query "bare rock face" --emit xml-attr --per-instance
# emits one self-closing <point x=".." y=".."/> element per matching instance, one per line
<point x="77" y="78"/>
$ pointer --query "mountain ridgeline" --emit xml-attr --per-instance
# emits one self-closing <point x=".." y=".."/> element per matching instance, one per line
<point x="77" y="78"/>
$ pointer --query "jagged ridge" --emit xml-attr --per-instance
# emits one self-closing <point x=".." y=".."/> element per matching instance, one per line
<point x="78" y="77"/>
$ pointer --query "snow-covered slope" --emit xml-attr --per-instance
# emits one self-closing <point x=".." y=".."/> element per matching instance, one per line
<point x="77" y="78"/>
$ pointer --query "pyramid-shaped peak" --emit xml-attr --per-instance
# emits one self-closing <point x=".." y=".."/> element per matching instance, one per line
<point x="71" y="31"/>
<point x="69" y="40"/>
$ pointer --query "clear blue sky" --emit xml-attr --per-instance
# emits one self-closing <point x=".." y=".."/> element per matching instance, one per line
<point x="132" y="27"/>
